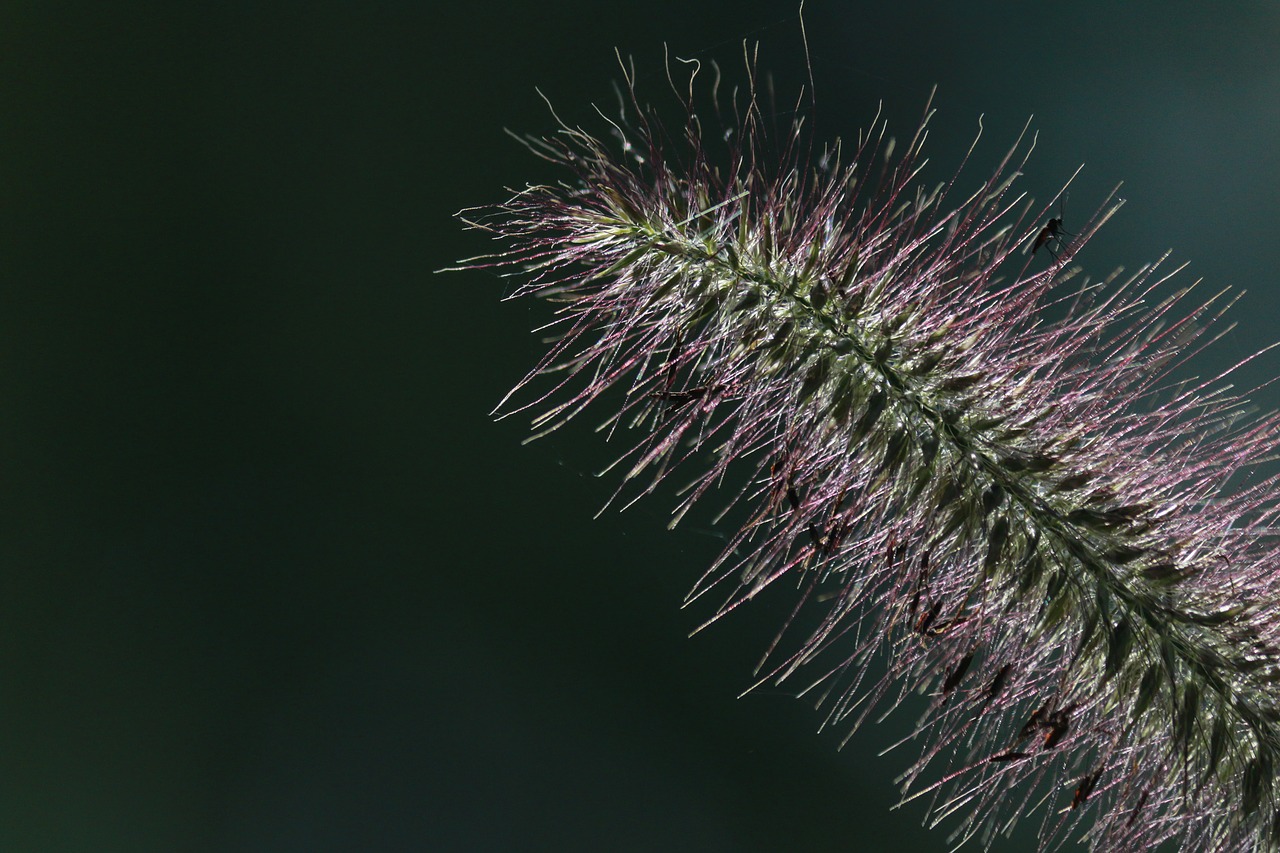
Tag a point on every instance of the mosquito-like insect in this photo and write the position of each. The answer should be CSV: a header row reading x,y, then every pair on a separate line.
x,y
676,398
1059,724
957,674
1054,723
1085,788
827,541
687,395
1052,232
997,684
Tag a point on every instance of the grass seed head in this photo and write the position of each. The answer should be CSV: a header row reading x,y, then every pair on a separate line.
x,y
928,459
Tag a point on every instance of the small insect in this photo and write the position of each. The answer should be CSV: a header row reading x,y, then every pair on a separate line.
x,y
783,485
929,626
943,627
1085,788
1054,723
1059,724
1039,717
679,398
667,393
816,537
957,674
826,539
1137,810
1052,232
827,542
993,690
923,576
997,683
836,536
926,621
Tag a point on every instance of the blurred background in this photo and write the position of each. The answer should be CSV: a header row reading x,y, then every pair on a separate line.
x,y
271,578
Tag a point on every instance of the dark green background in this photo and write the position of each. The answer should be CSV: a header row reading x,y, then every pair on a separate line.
x,y
270,577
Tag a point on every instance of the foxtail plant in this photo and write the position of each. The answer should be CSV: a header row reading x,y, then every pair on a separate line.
x,y
1066,549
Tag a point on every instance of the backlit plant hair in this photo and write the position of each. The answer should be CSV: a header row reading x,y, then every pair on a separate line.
x,y
1065,548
